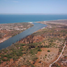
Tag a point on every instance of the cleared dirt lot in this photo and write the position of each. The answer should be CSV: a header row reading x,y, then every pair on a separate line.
x,y
46,56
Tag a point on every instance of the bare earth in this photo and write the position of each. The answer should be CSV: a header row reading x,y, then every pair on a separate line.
x,y
46,57
39,49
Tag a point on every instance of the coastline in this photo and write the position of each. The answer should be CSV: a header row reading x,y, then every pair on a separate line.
x,y
48,23
54,22
49,40
38,37
8,31
4,39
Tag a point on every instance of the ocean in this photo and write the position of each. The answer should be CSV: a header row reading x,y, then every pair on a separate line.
x,y
29,18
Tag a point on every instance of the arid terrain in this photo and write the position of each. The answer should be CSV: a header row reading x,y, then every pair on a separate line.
x,y
39,49
62,62
12,29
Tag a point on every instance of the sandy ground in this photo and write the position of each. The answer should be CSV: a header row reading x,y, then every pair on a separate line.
x,y
4,39
45,57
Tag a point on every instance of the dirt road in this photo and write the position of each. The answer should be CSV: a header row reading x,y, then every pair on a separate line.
x,y
59,55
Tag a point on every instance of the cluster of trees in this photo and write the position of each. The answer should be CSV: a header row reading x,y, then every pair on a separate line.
x,y
16,50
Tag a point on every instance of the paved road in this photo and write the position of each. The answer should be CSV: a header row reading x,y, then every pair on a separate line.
x,y
59,55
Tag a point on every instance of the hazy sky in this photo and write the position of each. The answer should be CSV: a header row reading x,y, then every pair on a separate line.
x,y
33,6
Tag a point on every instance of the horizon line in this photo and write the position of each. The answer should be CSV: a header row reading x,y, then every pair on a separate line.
x,y
33,14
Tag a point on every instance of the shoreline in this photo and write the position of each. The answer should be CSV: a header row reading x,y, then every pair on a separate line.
x,y
16,22
49,40
7,31
42,22
35,21
4,39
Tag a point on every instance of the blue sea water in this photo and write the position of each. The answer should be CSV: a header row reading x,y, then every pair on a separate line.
x,y
29,18
26,18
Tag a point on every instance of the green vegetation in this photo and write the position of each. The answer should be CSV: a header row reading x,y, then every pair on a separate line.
x,y
16,50
48,50
29,64
53,38
56,65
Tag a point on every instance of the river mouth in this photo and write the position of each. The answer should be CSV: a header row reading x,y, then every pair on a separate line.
x,y
22,35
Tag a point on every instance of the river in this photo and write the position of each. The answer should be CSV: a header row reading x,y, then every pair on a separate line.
x,y
18,37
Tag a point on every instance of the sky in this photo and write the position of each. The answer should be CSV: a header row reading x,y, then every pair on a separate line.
x,y
33,6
